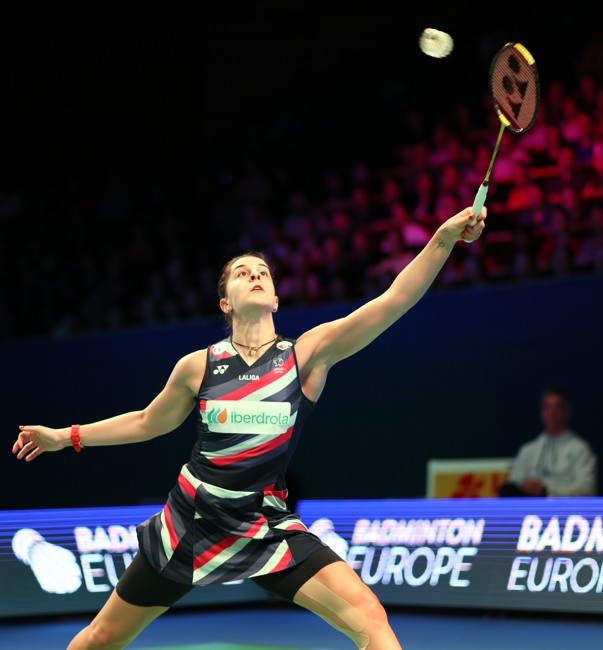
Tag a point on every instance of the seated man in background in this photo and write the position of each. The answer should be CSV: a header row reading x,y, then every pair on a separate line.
x,y
557,462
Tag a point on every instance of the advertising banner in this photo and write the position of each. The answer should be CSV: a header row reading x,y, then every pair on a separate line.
x,y
69,560
531,554
540,554
466,478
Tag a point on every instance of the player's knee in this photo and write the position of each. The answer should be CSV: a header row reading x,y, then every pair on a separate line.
x,y
371,610
104,637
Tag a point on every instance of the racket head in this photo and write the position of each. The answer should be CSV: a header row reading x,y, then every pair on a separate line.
x,y
515,86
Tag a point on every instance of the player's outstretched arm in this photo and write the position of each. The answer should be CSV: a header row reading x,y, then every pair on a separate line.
x,y
336,340
165,413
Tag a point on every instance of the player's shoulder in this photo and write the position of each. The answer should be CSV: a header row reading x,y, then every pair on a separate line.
x,y
192,361
194,355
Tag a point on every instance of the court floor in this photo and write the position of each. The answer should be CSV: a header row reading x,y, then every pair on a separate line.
x,y
285,627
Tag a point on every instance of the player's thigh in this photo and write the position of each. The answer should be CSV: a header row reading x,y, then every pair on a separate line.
x,y
119,621
337,594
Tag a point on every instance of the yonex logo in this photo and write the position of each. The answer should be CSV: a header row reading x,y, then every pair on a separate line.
x,y
220,370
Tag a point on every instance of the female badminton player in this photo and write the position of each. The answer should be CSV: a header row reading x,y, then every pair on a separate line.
x,y
226,517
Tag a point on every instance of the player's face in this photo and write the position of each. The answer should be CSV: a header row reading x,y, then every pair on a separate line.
x,y
250,284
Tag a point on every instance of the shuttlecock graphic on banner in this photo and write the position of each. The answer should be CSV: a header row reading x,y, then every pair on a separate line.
x,y
435,43
324,529
55,567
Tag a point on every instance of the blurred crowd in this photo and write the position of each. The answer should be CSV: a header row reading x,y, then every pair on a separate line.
x,y
81,255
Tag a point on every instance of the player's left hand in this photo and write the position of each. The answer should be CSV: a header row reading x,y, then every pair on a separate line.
x,y
471,233
459,226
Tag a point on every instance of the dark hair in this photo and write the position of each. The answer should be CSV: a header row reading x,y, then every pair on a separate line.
x,y
225,274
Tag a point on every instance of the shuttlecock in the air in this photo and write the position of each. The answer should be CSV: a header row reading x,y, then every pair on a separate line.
x,y
435,43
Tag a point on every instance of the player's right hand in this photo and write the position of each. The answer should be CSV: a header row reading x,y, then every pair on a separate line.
x,y
35,440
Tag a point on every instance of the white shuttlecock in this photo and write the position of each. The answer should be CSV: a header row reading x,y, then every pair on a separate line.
x,y
55,568
435,43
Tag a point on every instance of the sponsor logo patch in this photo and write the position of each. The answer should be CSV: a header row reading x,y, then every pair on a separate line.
x,y
240,416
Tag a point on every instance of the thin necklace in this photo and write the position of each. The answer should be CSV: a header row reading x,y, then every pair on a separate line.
x,y
252,350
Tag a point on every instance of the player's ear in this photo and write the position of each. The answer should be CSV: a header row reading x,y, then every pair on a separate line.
x,y
275,307
224,306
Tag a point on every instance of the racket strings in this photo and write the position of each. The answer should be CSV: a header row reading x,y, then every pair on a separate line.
x,y
515,92
515,87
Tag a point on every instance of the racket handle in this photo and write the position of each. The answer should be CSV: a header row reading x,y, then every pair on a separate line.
x,y
478,203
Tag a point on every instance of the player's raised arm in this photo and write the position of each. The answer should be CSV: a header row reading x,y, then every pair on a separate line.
x,y
336,340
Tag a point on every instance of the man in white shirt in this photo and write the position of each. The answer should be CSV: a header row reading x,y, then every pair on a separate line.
x,y
557,462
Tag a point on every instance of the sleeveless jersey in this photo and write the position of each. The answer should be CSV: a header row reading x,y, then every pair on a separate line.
x,y
226,518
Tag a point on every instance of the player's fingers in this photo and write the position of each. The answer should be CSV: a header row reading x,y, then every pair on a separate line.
x,y
472,233
32,450
25,449
27,432
34,453
24,438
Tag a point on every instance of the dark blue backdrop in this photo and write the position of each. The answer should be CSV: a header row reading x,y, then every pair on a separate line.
x,y
459,376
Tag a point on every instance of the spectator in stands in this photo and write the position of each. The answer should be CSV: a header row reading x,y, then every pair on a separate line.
x,y
363,210
590,254
586,92
569,123
423,199
557,462
524,193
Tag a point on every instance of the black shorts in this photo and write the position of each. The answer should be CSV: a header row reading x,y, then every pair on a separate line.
x,y
141,585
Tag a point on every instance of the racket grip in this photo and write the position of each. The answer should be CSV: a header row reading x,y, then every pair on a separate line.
x,y
478,203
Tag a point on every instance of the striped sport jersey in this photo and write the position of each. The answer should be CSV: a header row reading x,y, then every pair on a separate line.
x,y
227,517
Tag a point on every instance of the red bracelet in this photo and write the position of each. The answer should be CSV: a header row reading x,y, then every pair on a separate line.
x,y
75,437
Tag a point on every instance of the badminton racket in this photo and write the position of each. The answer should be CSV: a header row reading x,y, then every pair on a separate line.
x,y
515,91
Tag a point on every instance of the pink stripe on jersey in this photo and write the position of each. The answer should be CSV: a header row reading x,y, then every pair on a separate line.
x,y
262,382
211,552
186,486
295,526
222,545
170,526
279,494
283,562
254,451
